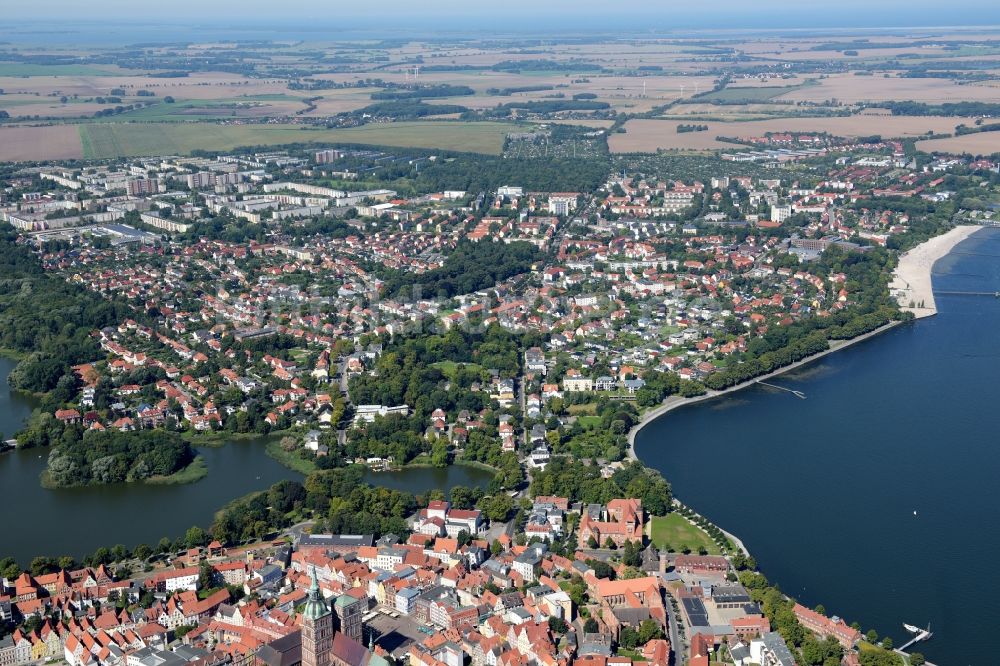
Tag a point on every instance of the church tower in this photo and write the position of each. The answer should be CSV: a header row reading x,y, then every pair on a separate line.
x,y
317,628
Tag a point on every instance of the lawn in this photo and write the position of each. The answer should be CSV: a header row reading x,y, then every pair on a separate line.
x,y
106,140
448,368
676,531
588,421
586,408
299,355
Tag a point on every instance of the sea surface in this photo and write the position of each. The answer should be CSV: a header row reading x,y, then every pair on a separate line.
x,y
76,521
877,495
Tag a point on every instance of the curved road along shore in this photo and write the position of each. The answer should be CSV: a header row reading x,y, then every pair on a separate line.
x,y
912,280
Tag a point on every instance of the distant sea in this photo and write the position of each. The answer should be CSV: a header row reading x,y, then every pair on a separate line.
x,y
326,24
877,495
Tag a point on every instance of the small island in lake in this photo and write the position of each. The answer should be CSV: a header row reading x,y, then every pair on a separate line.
x,y
107,457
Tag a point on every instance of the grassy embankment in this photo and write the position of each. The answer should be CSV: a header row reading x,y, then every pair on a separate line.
x,y
196,471
290,459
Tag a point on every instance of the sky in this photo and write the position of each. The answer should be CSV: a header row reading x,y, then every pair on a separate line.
x,y
526,16
818,12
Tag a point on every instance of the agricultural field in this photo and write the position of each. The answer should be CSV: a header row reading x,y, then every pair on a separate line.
x,y
11,69
773,86
122,140
58,142
980,143
750,94
644,135
249,106
852,89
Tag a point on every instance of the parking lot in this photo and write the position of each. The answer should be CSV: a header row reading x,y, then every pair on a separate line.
x,y
395,635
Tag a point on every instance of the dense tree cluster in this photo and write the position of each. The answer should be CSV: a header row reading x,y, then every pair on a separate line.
x,y
479,173
579,482
46,317
968,109
470,267
507,92
555,105
544,65
605,439
353,507
406,109
648,630
103,457
423,92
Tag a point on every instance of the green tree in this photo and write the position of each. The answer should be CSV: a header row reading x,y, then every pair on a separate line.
x,y
558,625
195,537
9,568
497,507
206,576
439,453
43,565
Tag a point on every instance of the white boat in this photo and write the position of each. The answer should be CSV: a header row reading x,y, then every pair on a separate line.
x,y
913,630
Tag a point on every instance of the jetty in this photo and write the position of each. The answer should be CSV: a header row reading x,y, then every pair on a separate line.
x,y
921,635
994,294
797,394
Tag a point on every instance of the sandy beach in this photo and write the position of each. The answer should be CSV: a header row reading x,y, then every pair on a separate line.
x,y
912,283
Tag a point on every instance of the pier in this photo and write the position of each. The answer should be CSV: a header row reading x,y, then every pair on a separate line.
x,y
797,394
921,635
994,294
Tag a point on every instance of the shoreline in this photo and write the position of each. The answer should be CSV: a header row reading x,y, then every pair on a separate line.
x,y
912,281
913,272
674,402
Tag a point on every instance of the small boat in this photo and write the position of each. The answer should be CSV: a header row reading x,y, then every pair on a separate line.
x,y
913,630
914,513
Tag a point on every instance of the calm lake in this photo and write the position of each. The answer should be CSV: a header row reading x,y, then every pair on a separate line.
x,y
76,521
877,495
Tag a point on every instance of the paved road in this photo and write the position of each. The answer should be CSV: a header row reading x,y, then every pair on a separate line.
x,y
673,633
